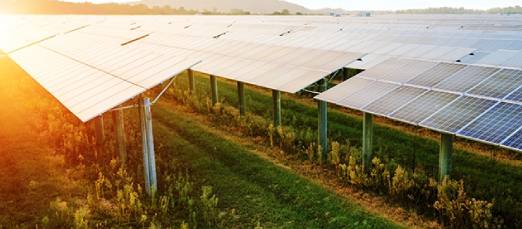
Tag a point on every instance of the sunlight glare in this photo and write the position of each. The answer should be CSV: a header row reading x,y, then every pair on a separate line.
x,y
5,24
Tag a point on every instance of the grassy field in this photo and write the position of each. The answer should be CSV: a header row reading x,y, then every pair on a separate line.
x,y
259,190
30,173
483,176
33,175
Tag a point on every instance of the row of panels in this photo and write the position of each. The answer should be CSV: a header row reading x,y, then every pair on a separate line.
x,y
90,75
480,81
379,39
475,104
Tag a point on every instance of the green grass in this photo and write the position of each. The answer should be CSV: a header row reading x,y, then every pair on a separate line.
x,y
259,190
484,178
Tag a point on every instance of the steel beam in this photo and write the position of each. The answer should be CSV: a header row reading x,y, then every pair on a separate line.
x,y
445,155
276,96
323,120
119,128
241,97
149,160
367,140
214,89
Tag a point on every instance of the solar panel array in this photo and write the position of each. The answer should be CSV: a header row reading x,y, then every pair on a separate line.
x,y
474,102
417,65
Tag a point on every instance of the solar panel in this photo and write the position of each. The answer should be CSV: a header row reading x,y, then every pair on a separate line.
x,y
409,70
515,141
368,61
457,114
382,70
448,53
436,74
466,78
342,90
367,95
476,56
421,108
514,61
391,101
497,57
496,124
85,100
500,84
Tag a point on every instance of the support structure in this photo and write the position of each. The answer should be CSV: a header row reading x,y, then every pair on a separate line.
x,y
367,140
100,131
149,160
445,154
241,97
276,96
119,128
214,89
323,120
191,82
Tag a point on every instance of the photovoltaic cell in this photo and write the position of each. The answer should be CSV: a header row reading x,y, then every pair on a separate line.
x,y
436,74
515,141
500,84
465,79
496,124
391,101
457,114
424,106
516,95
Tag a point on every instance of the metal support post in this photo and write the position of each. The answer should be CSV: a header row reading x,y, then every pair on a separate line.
x,y
149,160
445,154
100,131
117,117
192,83
323,120
214,89
276,96
367,140
241,97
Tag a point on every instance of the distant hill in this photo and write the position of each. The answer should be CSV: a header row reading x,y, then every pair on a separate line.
x,y
60,7
159,7
225,6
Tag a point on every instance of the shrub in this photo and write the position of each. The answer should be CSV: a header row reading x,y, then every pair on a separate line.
x,y
209,203
335,154
451,202
81,217
377,174
401,183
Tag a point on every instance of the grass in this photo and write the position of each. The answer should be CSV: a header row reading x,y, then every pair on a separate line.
x,y
483,176
259,190
30,175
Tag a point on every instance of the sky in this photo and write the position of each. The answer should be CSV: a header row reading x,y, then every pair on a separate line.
x,y
383,4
